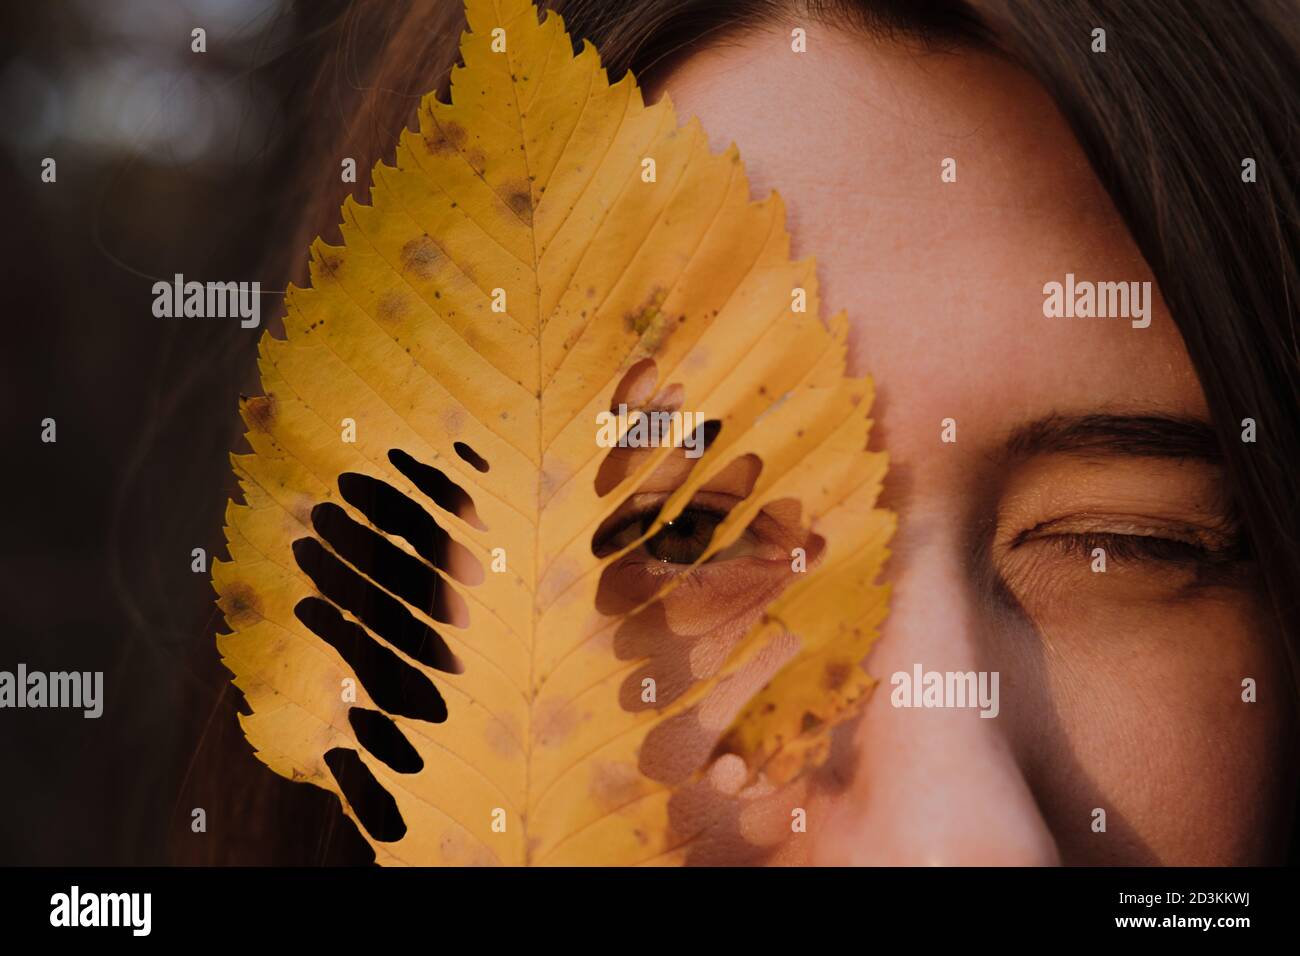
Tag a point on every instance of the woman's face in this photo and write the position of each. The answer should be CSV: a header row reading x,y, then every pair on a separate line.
x,y
1119,690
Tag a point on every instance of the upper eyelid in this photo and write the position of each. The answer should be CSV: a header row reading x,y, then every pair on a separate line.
x,y
632,510
1116,536
1230,551
1224,536
1144,546
633,516
643,501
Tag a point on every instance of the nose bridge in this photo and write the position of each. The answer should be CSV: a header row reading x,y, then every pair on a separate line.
x,y
936,783
934,614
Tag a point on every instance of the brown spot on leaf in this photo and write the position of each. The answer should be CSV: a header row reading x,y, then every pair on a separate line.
x,y
392,305
615,785
837,672
444,137
501,739
421,256
640,319
554,721
453,420
477,161
328,265
240,604
519,198
259,412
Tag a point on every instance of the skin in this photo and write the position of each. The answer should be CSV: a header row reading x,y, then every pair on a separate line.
x,y
1121,690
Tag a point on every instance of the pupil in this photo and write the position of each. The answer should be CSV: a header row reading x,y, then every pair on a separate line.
x,y
682,540
682,526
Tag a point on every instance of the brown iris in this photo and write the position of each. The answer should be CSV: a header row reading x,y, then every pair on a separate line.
x,y
685,538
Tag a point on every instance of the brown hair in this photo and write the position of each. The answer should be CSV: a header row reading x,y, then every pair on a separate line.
x,y
1185,93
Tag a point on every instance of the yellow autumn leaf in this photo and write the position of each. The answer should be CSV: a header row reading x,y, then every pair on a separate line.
x,y
421,621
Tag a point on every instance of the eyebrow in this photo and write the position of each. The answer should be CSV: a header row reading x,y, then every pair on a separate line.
x,y
1140,436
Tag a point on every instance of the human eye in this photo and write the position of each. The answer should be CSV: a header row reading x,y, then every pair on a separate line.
x,y
1109,532
754,564
683,541
1104,557
1134,539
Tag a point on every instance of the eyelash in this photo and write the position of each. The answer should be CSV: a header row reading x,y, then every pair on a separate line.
x,y
601,546
1138,547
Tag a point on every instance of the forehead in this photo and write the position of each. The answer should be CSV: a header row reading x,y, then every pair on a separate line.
x,y
942,281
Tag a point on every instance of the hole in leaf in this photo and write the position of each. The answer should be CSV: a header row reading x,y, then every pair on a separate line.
x,y
393,513
392,683
373,805
636,386
442,491
620,462
375,608
709,432
388,565
471,456
379,735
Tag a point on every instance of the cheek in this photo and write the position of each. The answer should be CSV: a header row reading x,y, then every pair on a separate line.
x,y
1143,716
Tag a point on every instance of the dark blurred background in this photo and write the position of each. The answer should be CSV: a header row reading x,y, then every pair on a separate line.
x,y
167,161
